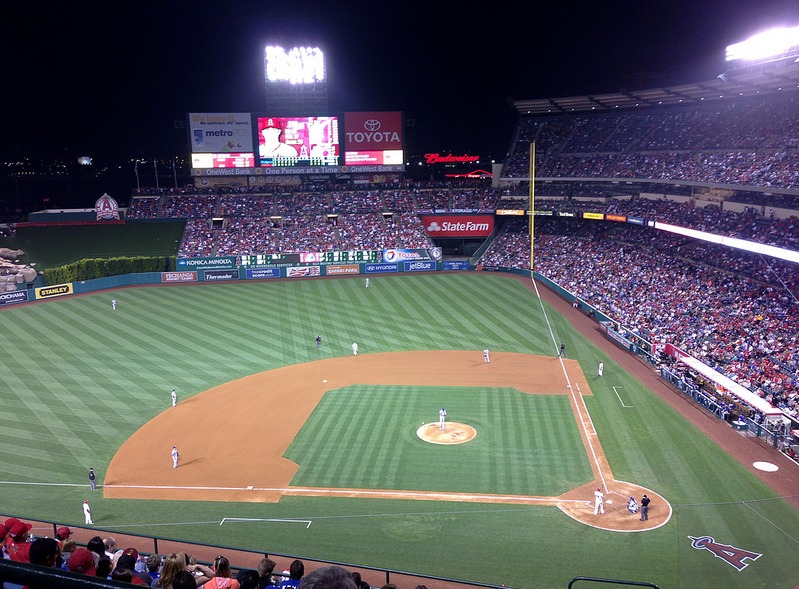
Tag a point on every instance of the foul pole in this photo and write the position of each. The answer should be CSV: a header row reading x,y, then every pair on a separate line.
x,y
531,207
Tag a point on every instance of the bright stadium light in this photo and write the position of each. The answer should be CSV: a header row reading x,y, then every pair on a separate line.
x,y
299,65
771,43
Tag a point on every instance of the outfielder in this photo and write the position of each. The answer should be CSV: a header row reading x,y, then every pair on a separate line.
x,y
175,456
367,283
354,348
599,501
442,417
113,304
174,398
601,368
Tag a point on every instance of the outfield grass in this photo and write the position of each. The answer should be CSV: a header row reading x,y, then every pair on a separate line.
x,y
77,379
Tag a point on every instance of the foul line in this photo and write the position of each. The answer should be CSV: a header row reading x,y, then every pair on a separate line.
x,y
577,404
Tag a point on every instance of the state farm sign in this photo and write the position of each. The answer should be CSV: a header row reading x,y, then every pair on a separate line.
x,y
458,225
372,131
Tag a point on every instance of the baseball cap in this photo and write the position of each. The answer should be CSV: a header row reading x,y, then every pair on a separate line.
x,y
11,521
64,532
3,532
273,124
20,528
132,552
82,561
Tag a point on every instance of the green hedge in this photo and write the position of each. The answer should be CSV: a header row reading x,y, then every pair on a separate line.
x,y
90,268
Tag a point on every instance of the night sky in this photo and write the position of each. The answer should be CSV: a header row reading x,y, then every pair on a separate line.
x,y
110,79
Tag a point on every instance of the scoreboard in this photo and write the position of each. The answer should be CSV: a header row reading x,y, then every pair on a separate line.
x,y
336,257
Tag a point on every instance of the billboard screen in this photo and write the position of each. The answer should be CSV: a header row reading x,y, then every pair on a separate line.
x,y
220,132
373,138
298,142
444,226
222,160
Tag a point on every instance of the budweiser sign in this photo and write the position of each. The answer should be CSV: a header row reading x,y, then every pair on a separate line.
x,y
435,158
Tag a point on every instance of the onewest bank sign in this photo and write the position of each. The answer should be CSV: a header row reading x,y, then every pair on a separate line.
x,y
444,226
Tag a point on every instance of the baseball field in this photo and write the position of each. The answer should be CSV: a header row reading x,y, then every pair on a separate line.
x,y
312,451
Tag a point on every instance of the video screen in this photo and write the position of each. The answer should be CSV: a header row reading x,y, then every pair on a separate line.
x,y
222,160
298,141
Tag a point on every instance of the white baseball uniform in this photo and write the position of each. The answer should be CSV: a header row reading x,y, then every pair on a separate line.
x,y
174,398
87,513
114,304
601,368
486,359
442,416
354,349
599,502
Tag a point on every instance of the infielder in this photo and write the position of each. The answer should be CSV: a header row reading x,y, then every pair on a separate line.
x,y
113,304
601,368
174,398
175,456
87,513
486,359
354,348
442,417
599,501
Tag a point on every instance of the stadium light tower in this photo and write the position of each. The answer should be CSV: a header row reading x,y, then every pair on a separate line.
x,y
773,44
296,80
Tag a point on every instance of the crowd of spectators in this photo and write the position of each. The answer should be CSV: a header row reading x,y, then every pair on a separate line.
x,y
101,558
736,311
744,141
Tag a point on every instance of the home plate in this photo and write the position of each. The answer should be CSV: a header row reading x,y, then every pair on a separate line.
x,y
766,466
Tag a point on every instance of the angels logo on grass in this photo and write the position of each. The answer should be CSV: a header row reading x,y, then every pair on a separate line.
x,y
730,554
106,208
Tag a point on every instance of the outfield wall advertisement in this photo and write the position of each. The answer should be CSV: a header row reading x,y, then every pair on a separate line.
x,y
447,226
9,298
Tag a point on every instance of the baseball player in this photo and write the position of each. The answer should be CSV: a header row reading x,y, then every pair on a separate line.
x,y
113,304
87,513
367,283
318,342
442,417
174,397
632,505
601,368
354,348
486,359
175,456
599,501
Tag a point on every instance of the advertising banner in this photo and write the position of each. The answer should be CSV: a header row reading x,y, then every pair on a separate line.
x,y
379,268
9,298
372,131
212,275
178,276
253,273
597,216
456,265
400,255
220,263
303,271
445,226
57,290
420,266
337,270
220,132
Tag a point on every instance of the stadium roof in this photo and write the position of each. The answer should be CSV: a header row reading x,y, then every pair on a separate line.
x,y
763,79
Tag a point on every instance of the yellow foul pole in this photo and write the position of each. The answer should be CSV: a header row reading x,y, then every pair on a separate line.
x,y
531,208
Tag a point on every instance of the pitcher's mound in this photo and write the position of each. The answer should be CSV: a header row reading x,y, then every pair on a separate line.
x,y
452,433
